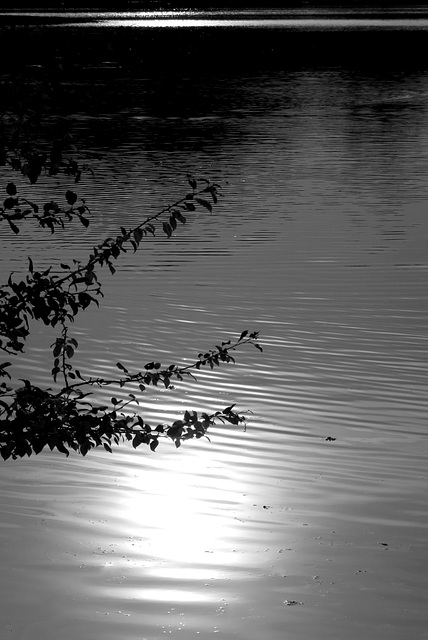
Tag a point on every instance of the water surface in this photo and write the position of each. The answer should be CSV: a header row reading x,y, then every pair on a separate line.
x,y
319,243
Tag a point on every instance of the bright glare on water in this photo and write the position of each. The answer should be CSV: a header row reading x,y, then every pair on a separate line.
x,y
266,23
300,19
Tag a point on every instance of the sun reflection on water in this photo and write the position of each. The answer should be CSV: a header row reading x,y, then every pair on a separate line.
x,y
192,506
189,19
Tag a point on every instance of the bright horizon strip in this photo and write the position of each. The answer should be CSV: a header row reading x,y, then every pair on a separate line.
x,y
296,23
98,14
201,18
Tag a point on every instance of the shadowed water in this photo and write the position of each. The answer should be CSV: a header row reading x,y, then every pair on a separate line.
x,y
319,243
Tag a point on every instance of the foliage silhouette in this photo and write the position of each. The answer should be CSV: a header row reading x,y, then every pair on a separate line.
x,y
68,418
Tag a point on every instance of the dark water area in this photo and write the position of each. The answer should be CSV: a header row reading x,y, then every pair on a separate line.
x,y
320,140
197,45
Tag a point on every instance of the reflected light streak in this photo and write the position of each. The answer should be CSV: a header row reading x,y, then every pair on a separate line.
x,y
127,15
295,23
186,514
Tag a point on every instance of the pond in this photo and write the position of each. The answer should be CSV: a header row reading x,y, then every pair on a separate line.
x,y
312,523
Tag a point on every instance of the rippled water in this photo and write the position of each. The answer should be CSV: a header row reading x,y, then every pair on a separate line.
x,y
319,243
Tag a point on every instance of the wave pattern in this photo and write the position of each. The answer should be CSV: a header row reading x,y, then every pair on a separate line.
x,y
319,244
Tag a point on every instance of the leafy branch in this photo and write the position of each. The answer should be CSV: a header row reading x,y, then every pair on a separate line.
x,y
37,418
58,298
61,423
16,208
32,418
67,418
153,373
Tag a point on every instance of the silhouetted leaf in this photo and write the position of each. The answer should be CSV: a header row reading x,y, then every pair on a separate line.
x,y
57,350
10,203
89,276
69,351
11,189
84,448
138,235
175,431
167,229
139,438
62,449
71,197
204,203
34,206
13,226
84,299
153,444
180,217
228,409
33,176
